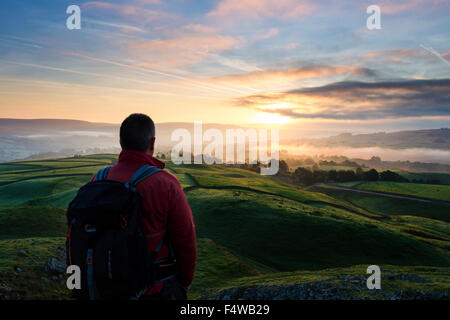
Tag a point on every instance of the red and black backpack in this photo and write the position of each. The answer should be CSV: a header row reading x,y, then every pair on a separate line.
x,y
104,240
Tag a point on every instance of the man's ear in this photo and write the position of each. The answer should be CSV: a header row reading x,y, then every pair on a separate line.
x,y
151,146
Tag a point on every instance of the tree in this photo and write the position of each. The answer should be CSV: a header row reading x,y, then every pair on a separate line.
x,y
332,175
359,173
308,161
392,176
283,168
303,175
320,176
371,175
346,175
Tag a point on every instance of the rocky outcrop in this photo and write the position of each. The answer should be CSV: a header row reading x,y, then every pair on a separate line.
x,y
57,264
340,288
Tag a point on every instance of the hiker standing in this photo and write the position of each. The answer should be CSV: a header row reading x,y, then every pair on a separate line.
x,y
130,205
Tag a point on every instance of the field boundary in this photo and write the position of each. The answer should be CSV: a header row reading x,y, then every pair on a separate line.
x,y
307,202
45,177
387,194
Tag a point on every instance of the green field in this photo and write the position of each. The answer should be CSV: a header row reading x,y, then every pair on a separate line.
x,y
252,230
444,178
429,191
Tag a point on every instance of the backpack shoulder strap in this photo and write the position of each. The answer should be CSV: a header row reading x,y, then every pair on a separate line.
x,y
102,174
141,174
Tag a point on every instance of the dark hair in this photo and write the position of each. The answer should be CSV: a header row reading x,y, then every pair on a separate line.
x,y
136,132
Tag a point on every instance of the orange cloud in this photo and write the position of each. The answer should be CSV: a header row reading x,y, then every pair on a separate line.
x,y
398,55
265,77
357,100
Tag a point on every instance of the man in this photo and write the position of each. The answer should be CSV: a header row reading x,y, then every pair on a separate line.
x,y
166,210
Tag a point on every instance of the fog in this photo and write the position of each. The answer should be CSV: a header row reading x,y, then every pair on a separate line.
x,y
412,154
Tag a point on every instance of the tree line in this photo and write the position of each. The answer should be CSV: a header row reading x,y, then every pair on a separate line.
x,y
310,176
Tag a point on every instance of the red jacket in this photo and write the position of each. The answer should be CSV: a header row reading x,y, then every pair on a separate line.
x,y
166,209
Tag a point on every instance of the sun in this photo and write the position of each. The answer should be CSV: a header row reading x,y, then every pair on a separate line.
x,y
271,118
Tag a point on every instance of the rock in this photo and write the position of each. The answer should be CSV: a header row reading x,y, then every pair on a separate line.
x,y
45,279
56,266
408,277
18,269
60,251
7,293
347,288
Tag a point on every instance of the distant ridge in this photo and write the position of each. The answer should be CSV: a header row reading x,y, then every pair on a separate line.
x,y
423,138
51,124
69,124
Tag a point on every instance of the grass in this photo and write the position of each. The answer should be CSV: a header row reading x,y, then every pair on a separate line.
x,y
223,177
41,191
267,232
435,279
31,221
444,178
216,267
5,167
185,180
349,184
22,269
429,191
286,235
390,206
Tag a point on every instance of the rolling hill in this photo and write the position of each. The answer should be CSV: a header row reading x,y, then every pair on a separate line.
x,y
258,237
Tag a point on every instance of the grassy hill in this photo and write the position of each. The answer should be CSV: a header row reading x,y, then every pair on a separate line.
x,y
429,191
252,231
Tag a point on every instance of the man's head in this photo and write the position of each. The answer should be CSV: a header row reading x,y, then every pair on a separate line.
x,y
137,132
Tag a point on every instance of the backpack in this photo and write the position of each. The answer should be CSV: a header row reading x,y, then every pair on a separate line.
x,y
105,242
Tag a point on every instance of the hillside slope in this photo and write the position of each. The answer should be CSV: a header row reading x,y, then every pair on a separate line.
x,y
258,237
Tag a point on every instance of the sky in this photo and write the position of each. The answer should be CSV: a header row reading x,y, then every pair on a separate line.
x,y
289,63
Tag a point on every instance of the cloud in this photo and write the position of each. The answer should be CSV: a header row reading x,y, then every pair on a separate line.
x,y
257,9
269,34
124,27
236,10
132,12
393,7
200,28
436,54
265,77
144,2
396,55
182,50
291,46
358,100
